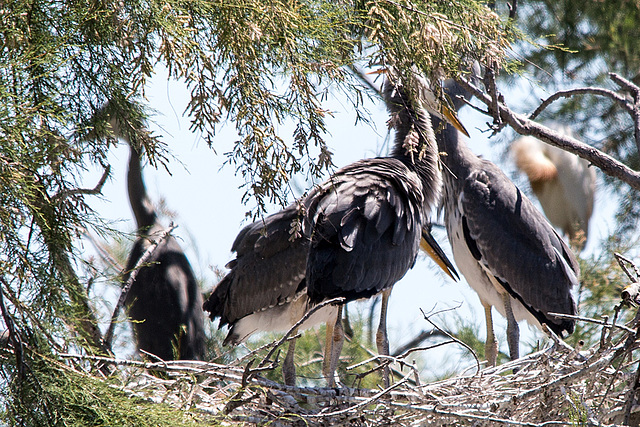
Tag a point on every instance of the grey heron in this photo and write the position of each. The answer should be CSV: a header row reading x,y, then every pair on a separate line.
x,y
164,301
367,220
359,234
563,183
505,248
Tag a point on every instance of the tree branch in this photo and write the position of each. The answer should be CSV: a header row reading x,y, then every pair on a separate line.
x,y
95,190
635,93
13,337
524,126
619,99
295,327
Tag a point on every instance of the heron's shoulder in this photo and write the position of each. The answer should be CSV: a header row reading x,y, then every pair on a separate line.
x,y
370,175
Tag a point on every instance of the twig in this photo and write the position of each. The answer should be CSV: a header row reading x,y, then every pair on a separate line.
x,y
635,93
14,337
590,320
619,99
616,314
95,190
427,318
295,327
494,110
364,402
556,339
417,340
630,293
132,277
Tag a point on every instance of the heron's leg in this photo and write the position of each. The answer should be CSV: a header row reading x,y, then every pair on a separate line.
x,y
328,345
336,348
491,345
513,332
288,367
382,339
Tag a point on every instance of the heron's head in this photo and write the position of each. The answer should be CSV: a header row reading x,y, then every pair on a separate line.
x,y
399,95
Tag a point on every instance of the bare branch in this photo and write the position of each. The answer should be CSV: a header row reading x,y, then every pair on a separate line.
x,y
621,261
415,341
14,337
633,108
297,325
95,190
447,334
619,99
524,126
494,109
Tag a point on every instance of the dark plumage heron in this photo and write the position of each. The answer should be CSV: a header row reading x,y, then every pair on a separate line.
x,y
265,289
563,183
367,220
359,234
164,301
506,249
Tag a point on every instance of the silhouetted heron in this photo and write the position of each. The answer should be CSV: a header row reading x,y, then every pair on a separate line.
x,y
164,301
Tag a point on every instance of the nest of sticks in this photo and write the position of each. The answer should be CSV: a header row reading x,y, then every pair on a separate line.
x,y
559,385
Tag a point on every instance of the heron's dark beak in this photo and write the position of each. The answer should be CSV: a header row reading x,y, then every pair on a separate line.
x,y
431,247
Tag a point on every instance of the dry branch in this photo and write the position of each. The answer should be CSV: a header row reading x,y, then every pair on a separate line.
x,y
559,385
525,126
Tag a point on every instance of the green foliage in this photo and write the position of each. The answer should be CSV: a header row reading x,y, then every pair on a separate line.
x,y
55,394
601,282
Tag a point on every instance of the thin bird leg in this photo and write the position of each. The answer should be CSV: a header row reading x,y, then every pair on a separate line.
x,y
336,348
382,339
491,345
513,332
328,345
288,366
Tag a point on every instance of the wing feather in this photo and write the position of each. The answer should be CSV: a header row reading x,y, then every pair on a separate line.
x,y
267,271
365,233
517,244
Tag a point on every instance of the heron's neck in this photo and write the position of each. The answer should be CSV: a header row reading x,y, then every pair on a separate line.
x,y
140,202
457,158
412,128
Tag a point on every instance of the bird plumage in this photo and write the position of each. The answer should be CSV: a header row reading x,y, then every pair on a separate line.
x,y
164,301
265,288
502,244
367,225
360,232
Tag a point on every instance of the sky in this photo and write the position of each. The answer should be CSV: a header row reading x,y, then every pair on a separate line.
x,y
205,196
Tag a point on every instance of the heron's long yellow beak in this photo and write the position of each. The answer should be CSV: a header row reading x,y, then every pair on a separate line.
x,y
452,117
448,113
431,247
